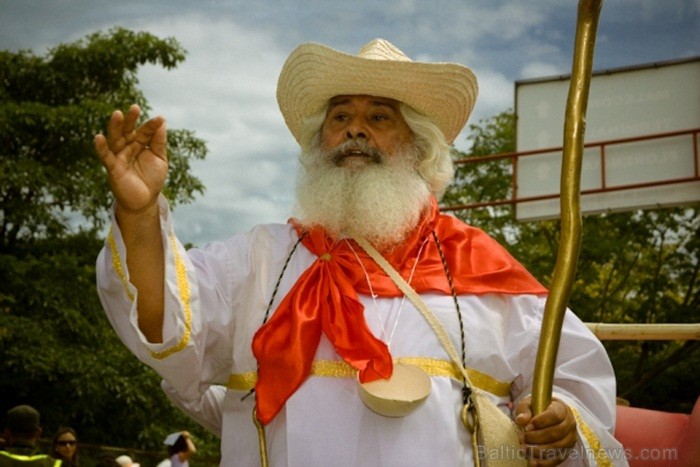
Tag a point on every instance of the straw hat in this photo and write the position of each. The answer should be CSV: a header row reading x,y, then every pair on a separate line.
x,y
314,73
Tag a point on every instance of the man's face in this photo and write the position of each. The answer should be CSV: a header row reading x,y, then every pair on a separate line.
x,y
361,175
375,121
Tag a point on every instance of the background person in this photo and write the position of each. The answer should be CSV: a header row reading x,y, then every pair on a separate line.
x,y
180,448
64,447
22,432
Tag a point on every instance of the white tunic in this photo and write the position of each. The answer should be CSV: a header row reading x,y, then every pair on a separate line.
x,y
216,299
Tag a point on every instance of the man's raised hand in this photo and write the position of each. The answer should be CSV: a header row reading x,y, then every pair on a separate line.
x,y
135,159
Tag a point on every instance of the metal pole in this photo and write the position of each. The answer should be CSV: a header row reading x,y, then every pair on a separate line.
x,y
570,241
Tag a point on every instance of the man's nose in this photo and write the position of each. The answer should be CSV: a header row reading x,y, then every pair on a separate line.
x,y
357,129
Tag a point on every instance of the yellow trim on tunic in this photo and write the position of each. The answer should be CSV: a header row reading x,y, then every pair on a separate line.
x,y
322,368
183,287
340,369
601,457
117,262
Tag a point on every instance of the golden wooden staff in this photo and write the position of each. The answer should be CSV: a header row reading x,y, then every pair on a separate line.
x,y
570,241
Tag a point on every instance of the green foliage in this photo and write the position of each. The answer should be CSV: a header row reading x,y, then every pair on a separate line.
x,y
489,180
50,109
58,351
634,267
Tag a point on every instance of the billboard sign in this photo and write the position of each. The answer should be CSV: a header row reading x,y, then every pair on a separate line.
x,y
641,115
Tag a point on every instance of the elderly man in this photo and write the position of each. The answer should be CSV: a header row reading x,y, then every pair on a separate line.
x,y
298,320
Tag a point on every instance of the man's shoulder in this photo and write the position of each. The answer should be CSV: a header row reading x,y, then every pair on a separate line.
x,y
259,235
267,236
266,230
274,229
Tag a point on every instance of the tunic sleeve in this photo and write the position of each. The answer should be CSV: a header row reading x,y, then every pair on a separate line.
x,y
190,286
207,410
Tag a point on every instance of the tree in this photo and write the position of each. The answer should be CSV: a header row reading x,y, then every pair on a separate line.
x,y
58,351
634,267
489,180
50,109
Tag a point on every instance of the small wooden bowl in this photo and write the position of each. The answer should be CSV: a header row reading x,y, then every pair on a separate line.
x,y
398,396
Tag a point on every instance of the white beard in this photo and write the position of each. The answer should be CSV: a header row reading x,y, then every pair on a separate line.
x,y
380,201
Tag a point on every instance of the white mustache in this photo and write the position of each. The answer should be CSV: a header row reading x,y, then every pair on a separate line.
x,y
352,148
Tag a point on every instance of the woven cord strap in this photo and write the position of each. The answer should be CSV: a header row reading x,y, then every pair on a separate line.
x,y
496,429
418,302
487,424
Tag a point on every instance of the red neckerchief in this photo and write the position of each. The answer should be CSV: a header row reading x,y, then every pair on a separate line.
x,y
325,300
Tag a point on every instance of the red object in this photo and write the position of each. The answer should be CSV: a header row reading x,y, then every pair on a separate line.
x,y
325,300
658,438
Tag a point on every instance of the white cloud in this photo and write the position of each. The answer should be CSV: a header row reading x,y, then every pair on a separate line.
x,y
541,69
225,90
495,94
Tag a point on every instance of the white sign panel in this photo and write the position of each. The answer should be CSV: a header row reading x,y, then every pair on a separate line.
x,y
627,103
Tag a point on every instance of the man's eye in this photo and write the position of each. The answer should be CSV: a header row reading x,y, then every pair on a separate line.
x,y
380,117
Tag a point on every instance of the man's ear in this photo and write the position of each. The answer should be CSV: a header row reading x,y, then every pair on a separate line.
x,y
37,433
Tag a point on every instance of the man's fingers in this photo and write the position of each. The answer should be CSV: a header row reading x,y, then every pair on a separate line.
x,y
159,140
523,414
148,131
132,116
102,150
122,134
555,414
115,137
551,434
120,129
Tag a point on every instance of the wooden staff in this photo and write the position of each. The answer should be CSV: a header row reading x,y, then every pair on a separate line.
x,y
570,241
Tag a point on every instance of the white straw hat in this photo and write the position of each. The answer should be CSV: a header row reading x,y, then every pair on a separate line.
x,y
314,73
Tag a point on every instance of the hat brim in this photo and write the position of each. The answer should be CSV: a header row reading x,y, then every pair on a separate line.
x,y
314,73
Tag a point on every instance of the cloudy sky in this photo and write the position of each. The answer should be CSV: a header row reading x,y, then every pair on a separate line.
x,y
225,90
